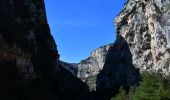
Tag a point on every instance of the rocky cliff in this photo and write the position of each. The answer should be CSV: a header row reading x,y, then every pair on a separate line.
x,y
93,64
29,61
117,71
145,25
108,68
90,67
142,43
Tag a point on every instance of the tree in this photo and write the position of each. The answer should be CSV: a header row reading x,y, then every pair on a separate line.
x,y
152,87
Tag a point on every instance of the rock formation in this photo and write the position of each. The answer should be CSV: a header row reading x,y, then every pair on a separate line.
x,y
142,44
28,55
90,67
29,61
118,71
144,24
108,68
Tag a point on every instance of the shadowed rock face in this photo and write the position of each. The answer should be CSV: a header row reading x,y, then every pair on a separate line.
x,y
71,67
29,61
118,71
25,37
108,68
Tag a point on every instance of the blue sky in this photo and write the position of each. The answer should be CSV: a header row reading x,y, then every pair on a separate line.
x,y
81,26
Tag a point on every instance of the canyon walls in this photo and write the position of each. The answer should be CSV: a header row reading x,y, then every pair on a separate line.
x,y
29,60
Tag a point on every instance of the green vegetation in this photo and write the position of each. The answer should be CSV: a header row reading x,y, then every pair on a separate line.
x,y
152,87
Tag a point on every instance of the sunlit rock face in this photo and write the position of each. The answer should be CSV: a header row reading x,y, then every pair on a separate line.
x,y
89,68
29,60
145,25
142,44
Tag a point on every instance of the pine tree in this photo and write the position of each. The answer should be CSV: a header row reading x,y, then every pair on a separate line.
x,y
152,87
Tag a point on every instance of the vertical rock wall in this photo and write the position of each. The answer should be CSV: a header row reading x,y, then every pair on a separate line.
x,y
29,60
144,24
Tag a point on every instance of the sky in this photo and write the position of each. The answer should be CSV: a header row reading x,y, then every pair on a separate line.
x,y
81,26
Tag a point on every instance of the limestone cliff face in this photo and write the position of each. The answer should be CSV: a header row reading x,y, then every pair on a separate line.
x,y
29,61
92,65
145,25
143,43
89,68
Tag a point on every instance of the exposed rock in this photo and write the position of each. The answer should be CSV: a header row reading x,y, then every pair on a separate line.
x,y
118,71
71,67
143,42
144,24
89,68
28,55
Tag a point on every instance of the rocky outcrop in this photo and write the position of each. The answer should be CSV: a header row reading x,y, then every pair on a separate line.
x,y
144,24
108,68
142,43
28,55
117,71
90,67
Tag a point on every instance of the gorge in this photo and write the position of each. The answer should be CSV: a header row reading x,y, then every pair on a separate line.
x,y
30,68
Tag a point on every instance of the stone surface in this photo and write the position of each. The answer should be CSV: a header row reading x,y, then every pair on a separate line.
x,y
118,71
142,44
90,67
144,24
29,61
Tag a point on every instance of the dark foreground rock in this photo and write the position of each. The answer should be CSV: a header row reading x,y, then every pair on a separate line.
x,y
28,55
71,67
